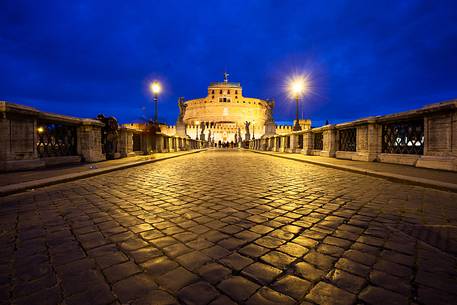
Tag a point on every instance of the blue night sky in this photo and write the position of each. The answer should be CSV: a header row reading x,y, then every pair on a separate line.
x,y
365,58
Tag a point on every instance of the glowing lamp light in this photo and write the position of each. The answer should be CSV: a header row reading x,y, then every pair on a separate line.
x,y
40,129
155,87
298,86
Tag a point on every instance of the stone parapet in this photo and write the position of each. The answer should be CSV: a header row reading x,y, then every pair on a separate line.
x,y
26,144
425,137
30,139
126,141
89,141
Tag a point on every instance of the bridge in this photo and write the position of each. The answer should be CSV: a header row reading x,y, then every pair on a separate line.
x,y
231,226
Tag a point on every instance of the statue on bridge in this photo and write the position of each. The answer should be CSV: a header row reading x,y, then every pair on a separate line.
x,y
247,135
270,126
110,135
269,110
202,133
182,108
180,125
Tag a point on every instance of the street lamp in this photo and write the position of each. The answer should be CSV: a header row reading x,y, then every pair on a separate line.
x,y
253,137
196,135
156,88
297,88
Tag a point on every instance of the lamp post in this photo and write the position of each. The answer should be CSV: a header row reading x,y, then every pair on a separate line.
x,y
156,88
253,137
297,88
196,135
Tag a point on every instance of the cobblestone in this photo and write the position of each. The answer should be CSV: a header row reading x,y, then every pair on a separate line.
x,y
228,227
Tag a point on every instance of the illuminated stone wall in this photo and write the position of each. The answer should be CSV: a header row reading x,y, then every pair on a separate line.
x,y
225,110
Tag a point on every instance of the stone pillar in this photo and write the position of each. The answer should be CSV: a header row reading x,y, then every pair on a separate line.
x,y
179,144
282,144
293,143
18,138
368,141
171,144
159,142
329,141
181,129
174,140
440,141
263,144
147,142
89,141
126,142
270,128
307,142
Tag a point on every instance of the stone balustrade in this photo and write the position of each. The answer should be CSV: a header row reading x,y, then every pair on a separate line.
x,y
426,137
30,139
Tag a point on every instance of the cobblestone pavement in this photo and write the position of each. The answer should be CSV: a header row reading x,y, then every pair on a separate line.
x,y
227,227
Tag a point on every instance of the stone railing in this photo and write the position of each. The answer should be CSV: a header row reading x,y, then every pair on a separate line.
x,y
30,139
426,137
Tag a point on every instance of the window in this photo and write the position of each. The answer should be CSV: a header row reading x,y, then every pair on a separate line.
x,y
228,91
220,91
236,91
212,91
236,97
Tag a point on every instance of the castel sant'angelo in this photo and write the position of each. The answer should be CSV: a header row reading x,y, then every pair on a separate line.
x,y
226,115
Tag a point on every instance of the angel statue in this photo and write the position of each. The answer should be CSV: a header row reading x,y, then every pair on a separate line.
x,y
182,108
247,135
246,126
269,110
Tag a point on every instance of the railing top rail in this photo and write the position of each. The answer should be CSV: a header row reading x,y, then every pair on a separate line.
x,y
52,117
16,108
45,116
431,108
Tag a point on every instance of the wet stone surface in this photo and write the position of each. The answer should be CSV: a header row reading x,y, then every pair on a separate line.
x,y
228,227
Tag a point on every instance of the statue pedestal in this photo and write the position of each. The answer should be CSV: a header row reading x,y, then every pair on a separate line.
x,y
270,128
181,129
